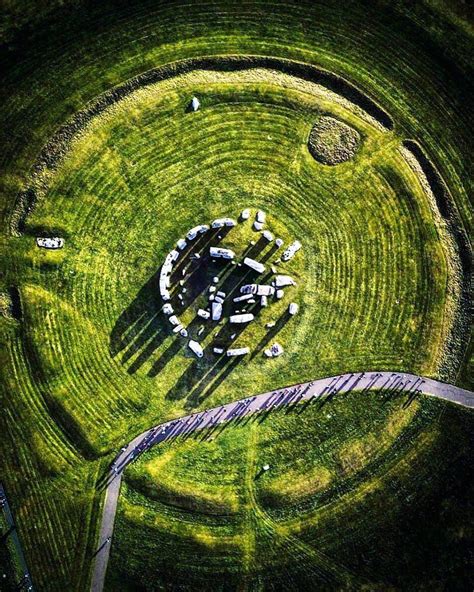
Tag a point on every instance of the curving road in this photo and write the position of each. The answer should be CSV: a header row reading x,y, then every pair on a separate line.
x,y
325,388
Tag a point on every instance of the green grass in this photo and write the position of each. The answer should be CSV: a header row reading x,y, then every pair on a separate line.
x,y
341,479
150,171
147,172
10,569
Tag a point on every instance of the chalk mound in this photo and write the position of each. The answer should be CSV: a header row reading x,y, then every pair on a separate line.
x,y
332,142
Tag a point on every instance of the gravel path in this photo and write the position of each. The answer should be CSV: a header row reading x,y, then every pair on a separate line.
x,y
390,382
25,584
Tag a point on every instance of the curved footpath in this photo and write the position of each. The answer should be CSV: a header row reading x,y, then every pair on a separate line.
x,y
325,388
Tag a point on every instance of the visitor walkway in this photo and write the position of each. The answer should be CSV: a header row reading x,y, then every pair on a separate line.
x,y
323,389
25,583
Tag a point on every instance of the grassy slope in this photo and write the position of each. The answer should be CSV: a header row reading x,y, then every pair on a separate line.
x,y
40,96
375,498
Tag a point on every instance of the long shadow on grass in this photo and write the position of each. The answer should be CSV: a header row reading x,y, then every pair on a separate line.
x,y
269,253
140,322
142,328
204,376
197,377
272,332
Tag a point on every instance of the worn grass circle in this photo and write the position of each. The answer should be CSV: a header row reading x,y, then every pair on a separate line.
x,y
147,170
332,141
142,174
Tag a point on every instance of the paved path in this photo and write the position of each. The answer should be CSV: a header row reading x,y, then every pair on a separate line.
x,y
25,583
324,389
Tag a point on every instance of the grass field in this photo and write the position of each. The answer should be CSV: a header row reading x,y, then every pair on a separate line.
x,y
343,479
88,361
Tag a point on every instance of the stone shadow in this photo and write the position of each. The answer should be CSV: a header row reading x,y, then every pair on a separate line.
x,y
141,328
270,253
199,381
253,251
203,376
139,321
271,333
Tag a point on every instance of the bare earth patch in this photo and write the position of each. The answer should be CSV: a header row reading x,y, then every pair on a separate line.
x,y
333,142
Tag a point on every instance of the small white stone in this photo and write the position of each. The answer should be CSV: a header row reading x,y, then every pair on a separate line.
x,y
293,308
268,235
276,349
